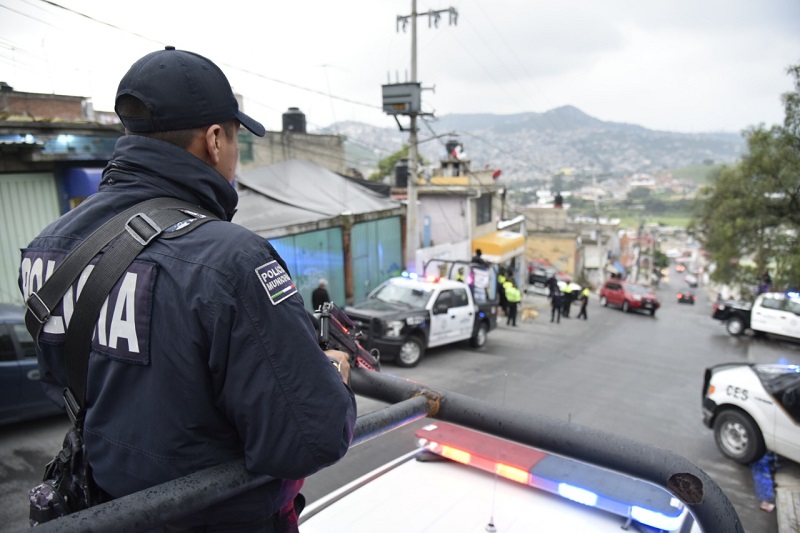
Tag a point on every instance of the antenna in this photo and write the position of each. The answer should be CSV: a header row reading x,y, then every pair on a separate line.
x,y
490,527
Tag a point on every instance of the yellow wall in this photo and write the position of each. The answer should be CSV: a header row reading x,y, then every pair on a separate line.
x,y
558,249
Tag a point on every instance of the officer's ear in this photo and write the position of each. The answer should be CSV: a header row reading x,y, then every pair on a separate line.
x,y
213,142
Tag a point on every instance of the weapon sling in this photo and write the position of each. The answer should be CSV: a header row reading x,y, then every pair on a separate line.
x,y
126,235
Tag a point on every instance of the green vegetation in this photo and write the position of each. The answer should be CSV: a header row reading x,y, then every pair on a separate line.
x,y
700,174
748,219
387,164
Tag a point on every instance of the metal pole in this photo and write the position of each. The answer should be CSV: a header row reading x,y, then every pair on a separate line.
x,y
412,227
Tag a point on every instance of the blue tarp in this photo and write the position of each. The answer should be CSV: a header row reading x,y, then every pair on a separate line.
x,y
80,182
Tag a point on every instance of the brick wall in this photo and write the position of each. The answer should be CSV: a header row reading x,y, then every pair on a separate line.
x,y
44,106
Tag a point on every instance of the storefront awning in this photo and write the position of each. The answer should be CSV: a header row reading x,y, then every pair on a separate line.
x,y
616,268
500,246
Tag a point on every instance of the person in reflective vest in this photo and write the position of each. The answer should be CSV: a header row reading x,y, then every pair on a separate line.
x,y
513,296
584,301
501,292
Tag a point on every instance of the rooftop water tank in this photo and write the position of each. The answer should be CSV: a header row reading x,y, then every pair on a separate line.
x,y
294,121
401,174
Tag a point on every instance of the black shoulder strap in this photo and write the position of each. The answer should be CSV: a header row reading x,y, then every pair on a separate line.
x,y
128,233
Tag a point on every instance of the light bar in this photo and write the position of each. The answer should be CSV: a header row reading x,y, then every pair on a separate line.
x,y
577,494
657,520
580,482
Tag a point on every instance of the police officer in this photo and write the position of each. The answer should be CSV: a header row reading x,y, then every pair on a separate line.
x,y
513,297
501,291
556,304
584,303
567,300
207,355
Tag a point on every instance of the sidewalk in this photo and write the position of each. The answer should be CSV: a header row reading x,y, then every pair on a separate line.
x,y
787,496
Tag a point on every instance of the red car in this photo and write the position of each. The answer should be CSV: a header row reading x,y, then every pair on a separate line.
x,y
628,296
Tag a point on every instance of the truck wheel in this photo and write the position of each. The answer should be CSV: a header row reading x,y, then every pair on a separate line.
x,y
603,301
738,437
735,326
652,312
626,307
410,353
479,339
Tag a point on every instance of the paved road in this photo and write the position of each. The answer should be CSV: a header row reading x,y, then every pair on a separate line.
x,y
631,374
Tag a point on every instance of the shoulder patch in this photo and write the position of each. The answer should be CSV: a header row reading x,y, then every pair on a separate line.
x,y
276,282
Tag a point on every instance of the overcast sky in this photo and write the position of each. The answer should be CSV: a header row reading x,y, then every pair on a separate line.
x,y
674,65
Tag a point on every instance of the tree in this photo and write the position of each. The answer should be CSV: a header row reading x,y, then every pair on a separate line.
x,y
748,219
661,260
387,164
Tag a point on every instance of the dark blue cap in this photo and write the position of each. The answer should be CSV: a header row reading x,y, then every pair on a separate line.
x,y
182,90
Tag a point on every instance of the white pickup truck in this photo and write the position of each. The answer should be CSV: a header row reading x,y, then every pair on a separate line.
x,y
772,312
406,315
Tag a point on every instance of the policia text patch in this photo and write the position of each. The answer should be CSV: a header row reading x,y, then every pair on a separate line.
x,y
276,282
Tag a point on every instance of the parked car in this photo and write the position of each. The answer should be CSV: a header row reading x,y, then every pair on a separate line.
x,y
752,409
21,394
686,297
539,274
628,296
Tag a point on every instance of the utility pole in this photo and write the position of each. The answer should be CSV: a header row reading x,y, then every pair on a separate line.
x,y
412,229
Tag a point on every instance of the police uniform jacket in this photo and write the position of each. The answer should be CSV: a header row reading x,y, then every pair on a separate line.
x,y
203,353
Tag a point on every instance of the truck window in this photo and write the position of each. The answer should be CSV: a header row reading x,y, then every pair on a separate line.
x,y
460,298
445,299
772,303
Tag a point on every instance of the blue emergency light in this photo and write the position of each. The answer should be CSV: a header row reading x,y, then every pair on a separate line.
x,y
580,482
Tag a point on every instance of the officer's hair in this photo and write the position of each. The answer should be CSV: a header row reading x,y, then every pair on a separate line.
x,y
130,106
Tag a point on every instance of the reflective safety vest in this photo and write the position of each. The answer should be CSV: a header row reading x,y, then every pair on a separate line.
x,y
501,279
512,294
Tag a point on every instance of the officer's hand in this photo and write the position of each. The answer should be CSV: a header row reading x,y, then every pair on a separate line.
x,y
344,360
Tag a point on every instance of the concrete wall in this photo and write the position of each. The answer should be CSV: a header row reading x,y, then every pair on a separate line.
x,y
448,218
558,248
275,147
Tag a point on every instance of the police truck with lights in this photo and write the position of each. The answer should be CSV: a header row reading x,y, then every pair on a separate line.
x,y
406,315
459,479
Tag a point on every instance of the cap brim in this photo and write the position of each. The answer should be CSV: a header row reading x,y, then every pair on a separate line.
x,y
254,126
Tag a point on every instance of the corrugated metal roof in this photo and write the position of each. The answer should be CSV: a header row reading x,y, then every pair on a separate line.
x,y
300,192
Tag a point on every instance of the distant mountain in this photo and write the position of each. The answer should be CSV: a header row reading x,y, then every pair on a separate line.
x,y
539,145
